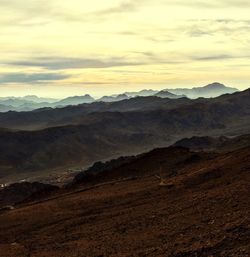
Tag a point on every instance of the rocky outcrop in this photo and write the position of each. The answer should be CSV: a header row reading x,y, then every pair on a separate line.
x,y
20,192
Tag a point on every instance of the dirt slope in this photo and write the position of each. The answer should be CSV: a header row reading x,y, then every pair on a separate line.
x,y
204,211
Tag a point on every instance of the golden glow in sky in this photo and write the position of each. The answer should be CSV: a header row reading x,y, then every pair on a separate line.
x,y
59,48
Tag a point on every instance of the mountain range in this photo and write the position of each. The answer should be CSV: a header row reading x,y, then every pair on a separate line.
x,y
167,94
127,175
75,100
212,90
29,103
77,136
115,98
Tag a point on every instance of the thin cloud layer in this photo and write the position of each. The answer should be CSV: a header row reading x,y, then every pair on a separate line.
x,y
31,77
84,44
60,63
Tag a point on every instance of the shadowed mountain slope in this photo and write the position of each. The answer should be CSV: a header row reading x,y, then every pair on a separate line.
x,y
20,192
220,144
64,116
49,117
200,209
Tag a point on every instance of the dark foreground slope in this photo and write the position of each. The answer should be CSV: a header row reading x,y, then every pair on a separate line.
x,y
20,192
203,210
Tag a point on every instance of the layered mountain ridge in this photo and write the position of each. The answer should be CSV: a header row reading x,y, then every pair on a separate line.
x,y
31,102
79,138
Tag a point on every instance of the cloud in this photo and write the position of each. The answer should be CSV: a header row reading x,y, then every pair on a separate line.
x,y
44,11
59,63
214,28
218,57
30,77
132,5
213,57
195,31
16,13
129,6
126,6
37,13
209,4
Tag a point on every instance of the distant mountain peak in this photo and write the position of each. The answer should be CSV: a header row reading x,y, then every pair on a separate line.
x,y
167,94
123,95
211,90
75,100
34,96
216,85
79,96
113,98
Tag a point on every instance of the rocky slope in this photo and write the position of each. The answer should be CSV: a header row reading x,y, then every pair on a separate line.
x,y
200,209
20,192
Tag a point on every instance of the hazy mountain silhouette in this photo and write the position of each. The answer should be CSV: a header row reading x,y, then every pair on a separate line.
x,y
37,99
166,94
113,98
31,98
15,102
145,92
211,90
6,108
75,100
26,103
29,103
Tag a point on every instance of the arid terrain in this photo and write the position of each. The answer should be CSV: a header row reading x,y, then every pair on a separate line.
x,y
201,208
95,187
77,136
125,128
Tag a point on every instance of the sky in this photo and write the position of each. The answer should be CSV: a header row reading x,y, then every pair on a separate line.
x,y
59,48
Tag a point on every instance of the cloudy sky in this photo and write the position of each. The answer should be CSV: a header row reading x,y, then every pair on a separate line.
x,y
59,48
